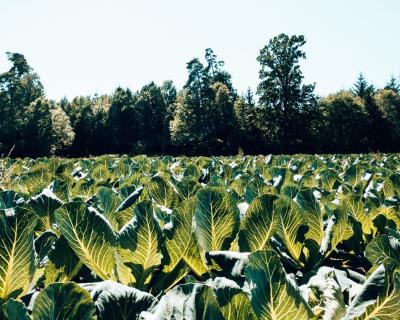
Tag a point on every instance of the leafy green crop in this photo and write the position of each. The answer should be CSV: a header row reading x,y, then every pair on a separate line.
x,y
277,237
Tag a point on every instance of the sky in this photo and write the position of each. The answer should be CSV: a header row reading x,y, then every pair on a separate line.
x,y
83,47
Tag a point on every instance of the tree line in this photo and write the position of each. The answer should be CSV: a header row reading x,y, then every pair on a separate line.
x,y
206,117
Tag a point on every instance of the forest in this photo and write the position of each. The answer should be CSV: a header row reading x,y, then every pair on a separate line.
x,y
206,117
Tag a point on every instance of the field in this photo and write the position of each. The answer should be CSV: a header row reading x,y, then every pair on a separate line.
x,y
266,237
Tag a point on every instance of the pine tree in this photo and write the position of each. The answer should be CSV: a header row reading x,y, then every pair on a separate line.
x,y
361,88
393,84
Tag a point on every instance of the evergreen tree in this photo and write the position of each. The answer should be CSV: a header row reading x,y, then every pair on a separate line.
x,y
198,82
393,84
377,128
80,113
169,93
249,97
37,131
224,124
124,123
151,107
361,88
250,138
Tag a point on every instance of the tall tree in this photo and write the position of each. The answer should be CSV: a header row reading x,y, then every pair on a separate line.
x,y
388,102
215,73
282,95
150,105
100,143
203,112
89,120
346,123
377,126
62,132
37,128
123,121
361,86
223,120
393,84
378,129
169,93
251,139
19,87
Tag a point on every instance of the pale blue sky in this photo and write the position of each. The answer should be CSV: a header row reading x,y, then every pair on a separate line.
x,y
83,47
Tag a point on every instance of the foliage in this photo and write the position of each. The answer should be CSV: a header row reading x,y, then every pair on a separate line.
x,y
19,87
286,102
389,104
346,122
266,237
206,117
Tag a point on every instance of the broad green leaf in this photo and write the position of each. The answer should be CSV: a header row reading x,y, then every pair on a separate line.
x,y
384,249
125,210
9,199
83,188
162,193
51,198
187,188
239,184
115,301
256,188
140,243
187,301
63,301
17,259
233,302
180,242
43,245
272,295
14,310
290,190
63,263
386,306
390,215
342,228
291,221
368,294
328,178
259,224
108,203
122,272
192,170
356,208
217,219
311,212
34,181
90,235
338,229
353,175
130,200
165,281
